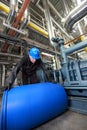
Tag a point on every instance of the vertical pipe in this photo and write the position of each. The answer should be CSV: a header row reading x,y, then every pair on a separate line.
x,y
50,28
67,10
15,82
48,21
3,75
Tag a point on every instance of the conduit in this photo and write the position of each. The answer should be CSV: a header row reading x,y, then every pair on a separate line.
x,y
28,106
6,9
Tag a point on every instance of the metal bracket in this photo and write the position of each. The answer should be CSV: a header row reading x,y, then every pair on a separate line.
x,y
9,26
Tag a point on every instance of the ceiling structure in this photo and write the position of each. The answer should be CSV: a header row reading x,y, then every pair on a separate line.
x,y
34,30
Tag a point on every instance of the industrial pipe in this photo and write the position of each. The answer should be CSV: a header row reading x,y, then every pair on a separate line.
x,y
75,15
28,106
6,9
11,16
12,13
75,39
23,23
16,23
76,47
19,16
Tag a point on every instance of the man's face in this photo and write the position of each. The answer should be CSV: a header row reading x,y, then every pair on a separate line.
x,y
32,59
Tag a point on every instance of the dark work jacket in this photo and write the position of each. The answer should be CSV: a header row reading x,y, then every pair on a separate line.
x,y
28,71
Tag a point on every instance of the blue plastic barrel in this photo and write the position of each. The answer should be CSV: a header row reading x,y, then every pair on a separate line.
x,y
28,106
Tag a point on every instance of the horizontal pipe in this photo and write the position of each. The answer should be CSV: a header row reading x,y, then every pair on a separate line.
x,y
12,55
13,28
75,39
38,29
76,88
6,9
76,47
18,42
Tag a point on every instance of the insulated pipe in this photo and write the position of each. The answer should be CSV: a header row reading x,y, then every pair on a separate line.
x,y
6,9
28,106
75,15
38,29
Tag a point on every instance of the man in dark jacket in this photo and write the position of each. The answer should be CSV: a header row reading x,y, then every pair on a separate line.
x,y
33,69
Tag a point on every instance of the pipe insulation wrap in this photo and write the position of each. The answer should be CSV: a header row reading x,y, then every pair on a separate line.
x,y
27,106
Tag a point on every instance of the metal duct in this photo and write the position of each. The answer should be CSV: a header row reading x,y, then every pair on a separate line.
x,y
75,15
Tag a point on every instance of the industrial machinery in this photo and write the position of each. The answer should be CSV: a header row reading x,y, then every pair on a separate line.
x,y
73,74
27,106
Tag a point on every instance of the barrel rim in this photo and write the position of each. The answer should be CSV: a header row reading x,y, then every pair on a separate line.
x,y
3,110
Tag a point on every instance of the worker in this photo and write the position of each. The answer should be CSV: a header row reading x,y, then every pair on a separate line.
x,y
33,69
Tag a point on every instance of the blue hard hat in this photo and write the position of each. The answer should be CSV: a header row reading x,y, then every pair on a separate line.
x,y
34,53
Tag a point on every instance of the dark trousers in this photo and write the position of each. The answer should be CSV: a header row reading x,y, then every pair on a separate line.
x,y
37,77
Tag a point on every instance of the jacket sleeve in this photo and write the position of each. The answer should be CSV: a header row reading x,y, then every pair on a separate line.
x,y
13,75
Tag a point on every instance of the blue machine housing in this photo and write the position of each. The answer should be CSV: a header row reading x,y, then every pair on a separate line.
x,y
73,75
28,106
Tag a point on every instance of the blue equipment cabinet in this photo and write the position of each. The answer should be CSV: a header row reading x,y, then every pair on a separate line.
x,y
28,106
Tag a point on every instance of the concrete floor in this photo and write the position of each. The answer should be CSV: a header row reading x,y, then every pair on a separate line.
x,y
67,121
